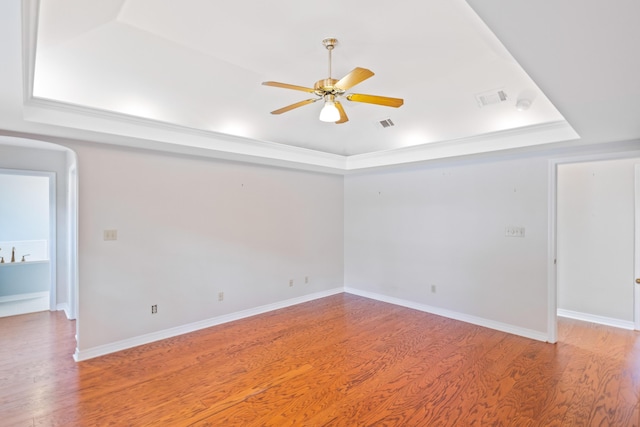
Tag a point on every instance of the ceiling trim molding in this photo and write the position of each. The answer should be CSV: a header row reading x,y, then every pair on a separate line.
x,y
147,132
150,132
546,133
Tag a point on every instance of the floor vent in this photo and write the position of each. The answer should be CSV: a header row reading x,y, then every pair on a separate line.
x,y
491,97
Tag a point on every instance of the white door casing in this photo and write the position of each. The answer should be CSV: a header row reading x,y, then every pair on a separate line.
x,y
636,252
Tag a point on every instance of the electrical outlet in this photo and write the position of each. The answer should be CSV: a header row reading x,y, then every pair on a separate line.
x,y
154,309
291,282
220,296
433,289
306,279
110,235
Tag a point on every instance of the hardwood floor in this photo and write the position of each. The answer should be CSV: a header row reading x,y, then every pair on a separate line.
x,y
339,361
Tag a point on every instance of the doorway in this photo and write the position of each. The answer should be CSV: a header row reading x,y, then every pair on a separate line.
x,y
27,241
595,241
60,164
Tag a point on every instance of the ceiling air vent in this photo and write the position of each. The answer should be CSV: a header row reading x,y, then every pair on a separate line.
x,y
491,97
386,123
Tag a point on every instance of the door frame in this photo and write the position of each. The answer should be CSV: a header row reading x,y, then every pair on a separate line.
x,y
636,248
52,226
552,271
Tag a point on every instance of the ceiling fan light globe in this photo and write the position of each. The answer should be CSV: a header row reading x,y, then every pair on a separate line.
x,y
329,112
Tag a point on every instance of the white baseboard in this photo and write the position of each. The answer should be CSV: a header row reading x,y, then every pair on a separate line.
x,y
64,307
491,324
191,327
586,317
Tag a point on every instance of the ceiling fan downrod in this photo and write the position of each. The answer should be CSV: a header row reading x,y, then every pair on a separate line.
x,y
330,43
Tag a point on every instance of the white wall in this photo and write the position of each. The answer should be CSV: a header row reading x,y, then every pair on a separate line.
x,y
407,230
36,159
189,228
595,238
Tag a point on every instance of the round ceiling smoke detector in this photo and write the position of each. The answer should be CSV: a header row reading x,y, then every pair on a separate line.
x,y
523,104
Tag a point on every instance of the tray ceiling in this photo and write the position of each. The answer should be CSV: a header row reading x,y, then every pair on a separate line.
x,y
192,71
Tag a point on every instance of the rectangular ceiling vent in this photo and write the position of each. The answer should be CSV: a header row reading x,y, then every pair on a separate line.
x,y
491,97
386,123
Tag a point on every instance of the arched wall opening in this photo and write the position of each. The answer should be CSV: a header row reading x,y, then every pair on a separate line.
x,y
31,157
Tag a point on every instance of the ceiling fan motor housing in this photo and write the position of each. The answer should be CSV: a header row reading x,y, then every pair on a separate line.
x,y
327,86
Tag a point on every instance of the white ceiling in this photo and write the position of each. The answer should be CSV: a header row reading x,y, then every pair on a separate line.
x,y
188,74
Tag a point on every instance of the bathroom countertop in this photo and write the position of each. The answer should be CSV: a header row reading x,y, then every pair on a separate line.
x,y
6,264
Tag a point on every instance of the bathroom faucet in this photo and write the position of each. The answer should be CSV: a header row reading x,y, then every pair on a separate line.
x,y
13,254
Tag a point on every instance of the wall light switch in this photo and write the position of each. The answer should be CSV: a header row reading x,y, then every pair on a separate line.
x,y
110,235
512,231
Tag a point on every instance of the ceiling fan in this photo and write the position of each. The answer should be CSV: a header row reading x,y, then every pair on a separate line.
x,y
330,90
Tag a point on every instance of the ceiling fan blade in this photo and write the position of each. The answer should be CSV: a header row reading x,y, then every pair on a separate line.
x,y
343,115
374,99
356,76
288,86
296,105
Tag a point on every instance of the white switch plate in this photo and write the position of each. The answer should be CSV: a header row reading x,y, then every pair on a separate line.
x,y
110,235
512,231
